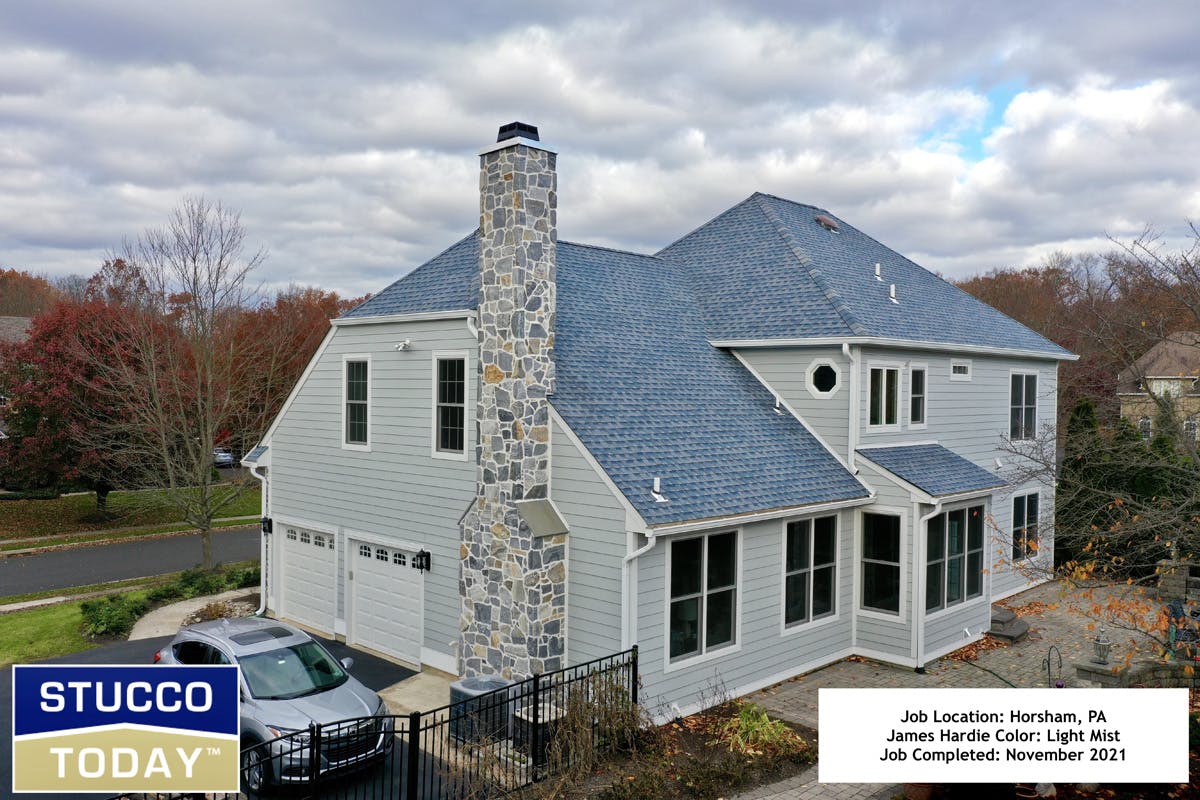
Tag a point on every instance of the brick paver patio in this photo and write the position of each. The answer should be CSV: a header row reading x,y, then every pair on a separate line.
x,y
1022,664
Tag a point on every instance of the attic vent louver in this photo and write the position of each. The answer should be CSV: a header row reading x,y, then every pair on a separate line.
x,y
827,222
514,130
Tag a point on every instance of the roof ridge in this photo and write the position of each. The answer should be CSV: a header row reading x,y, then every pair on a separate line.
x,y
839,305
612,249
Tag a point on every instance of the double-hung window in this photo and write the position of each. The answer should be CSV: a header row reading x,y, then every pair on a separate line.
x,y
1023,406
881,562
953,557
884,406
356,394
916,396
809,569
703,603
450,416
1025,526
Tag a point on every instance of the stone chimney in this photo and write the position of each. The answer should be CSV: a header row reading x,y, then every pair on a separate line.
x,y
513,583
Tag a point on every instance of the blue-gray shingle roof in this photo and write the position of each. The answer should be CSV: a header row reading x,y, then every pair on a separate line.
x,y
447,282
766,269
932,468
639,384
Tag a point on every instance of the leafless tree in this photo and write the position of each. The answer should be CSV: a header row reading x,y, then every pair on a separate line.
x,y
171,368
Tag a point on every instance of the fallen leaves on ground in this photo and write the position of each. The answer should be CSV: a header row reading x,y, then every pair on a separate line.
x,y
971,652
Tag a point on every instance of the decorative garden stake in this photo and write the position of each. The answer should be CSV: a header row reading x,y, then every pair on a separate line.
x,y
1102,645
1052,663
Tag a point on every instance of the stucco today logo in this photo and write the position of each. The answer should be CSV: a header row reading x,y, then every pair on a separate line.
x,y
125,729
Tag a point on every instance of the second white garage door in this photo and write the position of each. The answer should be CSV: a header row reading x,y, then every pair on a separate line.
x,y
385,601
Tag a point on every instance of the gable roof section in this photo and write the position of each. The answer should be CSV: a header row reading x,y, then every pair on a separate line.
x,y
1176,356
932,468
447,282
648,396
766,269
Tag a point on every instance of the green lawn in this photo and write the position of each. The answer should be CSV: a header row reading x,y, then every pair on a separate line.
x,y
77,513
41,633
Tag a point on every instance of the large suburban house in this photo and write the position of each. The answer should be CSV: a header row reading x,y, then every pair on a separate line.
x,y
771,445
1165,380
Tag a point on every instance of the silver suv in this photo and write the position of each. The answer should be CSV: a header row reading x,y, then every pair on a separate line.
x,y
289,682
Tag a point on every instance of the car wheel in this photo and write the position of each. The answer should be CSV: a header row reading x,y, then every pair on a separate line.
x,y
256,770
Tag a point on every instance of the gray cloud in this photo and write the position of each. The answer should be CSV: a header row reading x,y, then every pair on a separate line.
x,y
347,133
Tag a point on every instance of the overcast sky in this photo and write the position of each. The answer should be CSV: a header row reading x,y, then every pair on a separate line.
x,y
967,136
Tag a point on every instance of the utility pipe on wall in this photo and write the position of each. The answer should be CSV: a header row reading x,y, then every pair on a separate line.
x,y
262,546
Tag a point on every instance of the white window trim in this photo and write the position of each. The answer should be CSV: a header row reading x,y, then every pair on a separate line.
x,y
1012,531
447,455
364,448
683,662
1037,404
958,362
812,368
984,583
885,365
811,624
901,616
917,426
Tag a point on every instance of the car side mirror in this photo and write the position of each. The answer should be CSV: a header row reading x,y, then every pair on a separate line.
x,y
348,662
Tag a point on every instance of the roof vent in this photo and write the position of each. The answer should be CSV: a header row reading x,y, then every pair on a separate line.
x,y
878,272
827,222
514,130
778,407
656,491
892,295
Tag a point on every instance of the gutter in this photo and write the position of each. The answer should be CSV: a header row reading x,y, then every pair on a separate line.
x,y
852,434
626,566
262,548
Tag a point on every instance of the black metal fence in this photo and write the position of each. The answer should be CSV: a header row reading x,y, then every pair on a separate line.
x,y
485,746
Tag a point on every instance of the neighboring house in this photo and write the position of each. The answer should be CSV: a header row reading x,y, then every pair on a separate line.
x,y
12,329
1165,378
769,446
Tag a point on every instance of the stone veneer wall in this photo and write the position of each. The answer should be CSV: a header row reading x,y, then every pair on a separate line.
x,y
513,585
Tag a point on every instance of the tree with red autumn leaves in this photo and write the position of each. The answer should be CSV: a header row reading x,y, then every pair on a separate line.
x,y
48,381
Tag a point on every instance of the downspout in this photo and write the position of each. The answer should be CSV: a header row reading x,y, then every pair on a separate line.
x,y
852,433
625,585
262,547
919,572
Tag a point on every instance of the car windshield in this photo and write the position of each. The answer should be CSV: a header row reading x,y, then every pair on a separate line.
x,y
288,672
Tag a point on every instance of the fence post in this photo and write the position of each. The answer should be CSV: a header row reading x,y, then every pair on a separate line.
x,y
314,753
412,779
633,681
536,739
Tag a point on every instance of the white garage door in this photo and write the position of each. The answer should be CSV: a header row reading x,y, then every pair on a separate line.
x,y
309,578
385,600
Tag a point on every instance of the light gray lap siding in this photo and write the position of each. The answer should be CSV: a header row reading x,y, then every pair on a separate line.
x,y
785,369
595,549
765,652
398,489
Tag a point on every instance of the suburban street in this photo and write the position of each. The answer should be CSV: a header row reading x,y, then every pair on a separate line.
x,y
132,558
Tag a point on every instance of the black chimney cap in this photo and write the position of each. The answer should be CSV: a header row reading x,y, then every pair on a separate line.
x,y
514,129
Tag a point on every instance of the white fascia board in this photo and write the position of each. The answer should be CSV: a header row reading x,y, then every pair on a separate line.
x,y
881,341
666,529
633,520
513,142
287,404
421,316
